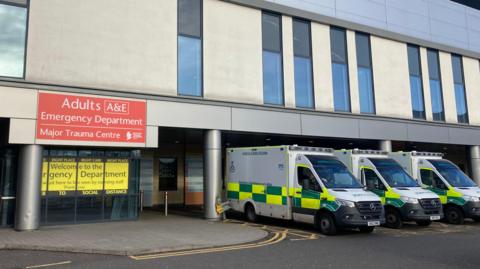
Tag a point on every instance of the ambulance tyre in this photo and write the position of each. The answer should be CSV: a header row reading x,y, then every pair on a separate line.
x,y
393,218
424,223
250,214
326,223
366,229
454,215
476,219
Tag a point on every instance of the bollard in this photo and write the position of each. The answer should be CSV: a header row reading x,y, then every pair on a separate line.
x,y
166,203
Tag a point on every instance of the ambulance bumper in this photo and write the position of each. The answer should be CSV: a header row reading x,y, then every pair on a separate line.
x,y
472,209
413,212
351,217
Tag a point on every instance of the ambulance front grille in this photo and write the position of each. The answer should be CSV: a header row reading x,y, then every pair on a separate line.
x,y
369,207
430,204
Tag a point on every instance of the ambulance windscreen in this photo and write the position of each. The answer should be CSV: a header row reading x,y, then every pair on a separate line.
x,y
333,173
452,174
393,173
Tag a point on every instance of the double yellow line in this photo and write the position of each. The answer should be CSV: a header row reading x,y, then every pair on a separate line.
x,y
276,238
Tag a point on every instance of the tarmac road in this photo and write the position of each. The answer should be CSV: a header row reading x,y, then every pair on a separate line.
x,y
295,246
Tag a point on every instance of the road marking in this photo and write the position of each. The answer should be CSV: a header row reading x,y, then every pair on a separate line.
x,y
48,264
277,238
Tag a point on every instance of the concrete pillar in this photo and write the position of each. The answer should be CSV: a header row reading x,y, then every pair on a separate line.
x,y
27,210
475,163
385,145
212,172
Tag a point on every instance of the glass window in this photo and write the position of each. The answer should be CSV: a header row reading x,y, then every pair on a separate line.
x,y
431,179
89,208
393,173
365,76
302,64
459,85
272,59
372,181
307,180
189,66
452,174
416,84
189,69
189,17
13,24
341,87
333,173
435,85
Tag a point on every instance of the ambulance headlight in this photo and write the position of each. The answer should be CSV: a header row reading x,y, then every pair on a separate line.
x,y
471,198
409,200
346,203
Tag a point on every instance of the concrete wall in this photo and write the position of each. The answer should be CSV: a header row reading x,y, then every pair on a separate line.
x,y
426,84
471,68
390,78
353,74
288,62
120,45
232,49
446,74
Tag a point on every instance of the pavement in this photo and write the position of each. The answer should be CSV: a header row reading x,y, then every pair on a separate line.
x,y
152,233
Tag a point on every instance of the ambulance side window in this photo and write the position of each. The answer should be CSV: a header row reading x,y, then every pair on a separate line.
x,y
372,181
431,179
306,179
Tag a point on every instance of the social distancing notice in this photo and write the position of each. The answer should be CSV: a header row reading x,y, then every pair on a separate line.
x,y
87,176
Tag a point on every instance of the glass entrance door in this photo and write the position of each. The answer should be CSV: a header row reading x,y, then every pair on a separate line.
x,y
8,187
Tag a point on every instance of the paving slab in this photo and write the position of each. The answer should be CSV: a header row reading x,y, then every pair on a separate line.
x,y
152,233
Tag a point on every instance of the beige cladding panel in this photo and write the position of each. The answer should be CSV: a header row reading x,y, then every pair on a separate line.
x,y
448,90
426,84
22,131
18,103
353,75
471,68
118,45
288,66
232,52
322,67
391,79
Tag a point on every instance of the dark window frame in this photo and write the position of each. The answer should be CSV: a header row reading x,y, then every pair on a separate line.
x,y
310,58
420,75
281,56
27,6
370,67
201,52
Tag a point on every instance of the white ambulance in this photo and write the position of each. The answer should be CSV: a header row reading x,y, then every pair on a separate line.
x,y
305,184
403,198
459,195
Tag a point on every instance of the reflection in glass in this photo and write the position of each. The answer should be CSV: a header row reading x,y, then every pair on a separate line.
x,y
437,100
303,82
189,66
272,78
13,23
417,97
365,86
341,93
89,208
462,113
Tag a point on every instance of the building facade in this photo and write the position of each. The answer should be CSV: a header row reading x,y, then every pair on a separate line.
x,y
106,105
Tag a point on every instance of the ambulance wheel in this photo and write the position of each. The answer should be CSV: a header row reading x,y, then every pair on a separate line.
x,y
424,223
476,219
326,224
366,229
250,214
393,219
454,215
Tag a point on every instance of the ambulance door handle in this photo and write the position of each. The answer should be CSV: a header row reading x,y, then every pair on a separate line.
x,y
298,192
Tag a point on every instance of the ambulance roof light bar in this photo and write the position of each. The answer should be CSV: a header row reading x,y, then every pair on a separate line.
x,y
427,154
369,151
314,149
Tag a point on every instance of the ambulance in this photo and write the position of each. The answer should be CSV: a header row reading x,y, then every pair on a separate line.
x,y
458,193
304,184
402,197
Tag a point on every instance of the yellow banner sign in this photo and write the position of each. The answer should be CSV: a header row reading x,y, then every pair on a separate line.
x,y
116,176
